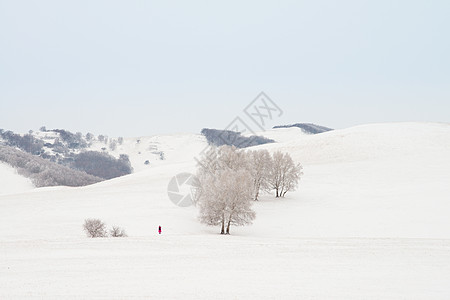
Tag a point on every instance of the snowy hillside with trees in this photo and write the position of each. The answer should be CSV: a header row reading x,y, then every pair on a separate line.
x,y
97,157
306,127
369,220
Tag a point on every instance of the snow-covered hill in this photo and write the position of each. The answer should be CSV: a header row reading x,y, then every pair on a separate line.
x,y
157,150
370,220
380,180
11,182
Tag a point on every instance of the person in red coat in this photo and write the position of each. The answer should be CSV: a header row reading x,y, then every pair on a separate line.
x,y
159,230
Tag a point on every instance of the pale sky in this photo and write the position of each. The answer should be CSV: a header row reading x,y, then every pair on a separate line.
x,y
133,68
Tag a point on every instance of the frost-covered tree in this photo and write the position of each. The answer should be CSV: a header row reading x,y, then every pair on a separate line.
x,y
284,174
71,140
237,190
113,145
226,199
224,189
211,205
228,178
229,157
260,163
89,136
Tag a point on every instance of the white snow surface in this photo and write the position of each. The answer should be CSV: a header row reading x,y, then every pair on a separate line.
x,y
11,182
369,221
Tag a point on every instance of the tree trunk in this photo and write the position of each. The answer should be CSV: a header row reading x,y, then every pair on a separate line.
x,y
256,195
256,190
222,231
229,223
276,191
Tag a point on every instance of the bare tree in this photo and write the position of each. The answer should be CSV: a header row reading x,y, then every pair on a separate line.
x,y
113,145
224,189
284,174
226,199
116,231
94,228
89,136
275,172
260,163
228,179
222,158
238,193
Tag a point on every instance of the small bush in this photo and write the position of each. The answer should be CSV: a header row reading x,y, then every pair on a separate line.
x,y
94,228
116,231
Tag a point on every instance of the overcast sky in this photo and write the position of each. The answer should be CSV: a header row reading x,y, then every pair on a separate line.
x,y
132,68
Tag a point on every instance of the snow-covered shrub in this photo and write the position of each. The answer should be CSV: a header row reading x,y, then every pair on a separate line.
x,y
94,228
116,231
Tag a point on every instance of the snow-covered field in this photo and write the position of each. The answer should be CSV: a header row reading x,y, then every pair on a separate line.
x,y
176,266
369,221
